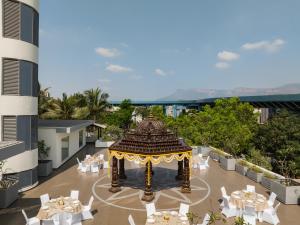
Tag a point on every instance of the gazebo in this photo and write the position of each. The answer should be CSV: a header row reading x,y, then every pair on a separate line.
x,y
150,143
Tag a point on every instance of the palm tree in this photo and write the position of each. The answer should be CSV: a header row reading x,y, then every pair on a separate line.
x,y
96,101
45,102
62,108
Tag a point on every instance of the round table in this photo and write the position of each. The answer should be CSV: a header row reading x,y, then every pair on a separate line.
x,y
59,205
167,218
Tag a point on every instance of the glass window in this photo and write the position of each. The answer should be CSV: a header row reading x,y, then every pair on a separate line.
x,y
80,138
24,130
19,78
35,28
64,148
26,23
20,22
34,132
26,72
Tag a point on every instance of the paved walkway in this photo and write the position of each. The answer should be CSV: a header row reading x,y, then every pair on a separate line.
x,y
111,209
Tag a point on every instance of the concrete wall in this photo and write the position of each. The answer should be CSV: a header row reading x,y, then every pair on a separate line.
x,y
53,140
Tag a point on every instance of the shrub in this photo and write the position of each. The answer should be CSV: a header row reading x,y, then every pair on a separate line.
x,y
256,157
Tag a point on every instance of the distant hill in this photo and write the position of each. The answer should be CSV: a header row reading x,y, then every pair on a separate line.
x,y
189,94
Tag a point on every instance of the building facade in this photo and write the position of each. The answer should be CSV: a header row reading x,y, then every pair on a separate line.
x,y
64,137
19,40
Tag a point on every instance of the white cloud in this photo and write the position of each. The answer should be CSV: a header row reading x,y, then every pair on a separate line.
x,y
108,52
269,46
160,72
117,68
222,65
228,56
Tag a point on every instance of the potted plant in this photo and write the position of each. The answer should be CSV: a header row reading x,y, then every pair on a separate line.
x,y
242,167
215,154
255,173
267,179
227,162
287,190
44,166
8,188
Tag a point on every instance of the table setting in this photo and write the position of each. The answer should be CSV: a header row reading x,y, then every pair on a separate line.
x,y
59,205
167,218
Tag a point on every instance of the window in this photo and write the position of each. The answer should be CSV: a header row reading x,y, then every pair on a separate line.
x,y
21,128
9,128
19,78
20,21
34,132
80,138
64,148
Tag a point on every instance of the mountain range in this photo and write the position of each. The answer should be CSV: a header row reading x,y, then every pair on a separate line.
x,y
198,93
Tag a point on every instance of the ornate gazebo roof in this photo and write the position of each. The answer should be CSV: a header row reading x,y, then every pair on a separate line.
x,y
151,137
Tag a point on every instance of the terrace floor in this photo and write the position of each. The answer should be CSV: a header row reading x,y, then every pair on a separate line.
x,y
111,209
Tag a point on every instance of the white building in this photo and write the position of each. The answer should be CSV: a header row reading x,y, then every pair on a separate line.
x,y
19,28
64,137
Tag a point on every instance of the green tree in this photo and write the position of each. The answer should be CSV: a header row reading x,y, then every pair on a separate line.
x,y
229,125
279,137
45,102
124,114
96,103
142,111
63,108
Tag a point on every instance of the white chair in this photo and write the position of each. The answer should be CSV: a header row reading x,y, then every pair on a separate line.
x,y
206,161
130,220
101,156
76,219
272,199
86,210
250,215
195,165
229,210
58,219
94,168
150,208
224,195
183,209
44,198
32,220
204,165
250,188
105,165
66,219
74,194
270,215
79,164
205,220
85,168
48,222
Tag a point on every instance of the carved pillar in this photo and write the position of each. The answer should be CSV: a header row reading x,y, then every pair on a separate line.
x,y
122,169
148,194
186,188
152,172
180,171
115,187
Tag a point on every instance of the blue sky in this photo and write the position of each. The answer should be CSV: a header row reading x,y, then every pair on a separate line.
x,y
147,49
